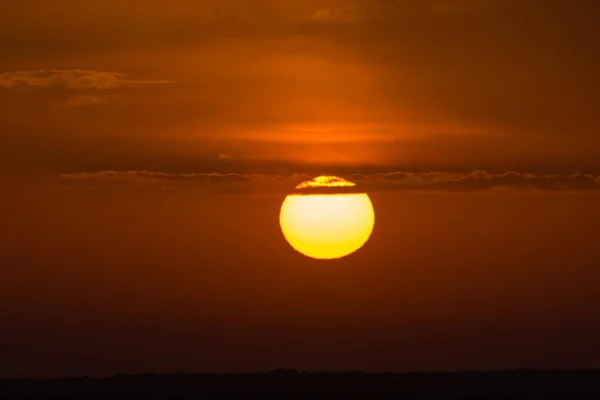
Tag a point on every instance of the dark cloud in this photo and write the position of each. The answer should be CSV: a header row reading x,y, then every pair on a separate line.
x,y
391,181
479,181
212,182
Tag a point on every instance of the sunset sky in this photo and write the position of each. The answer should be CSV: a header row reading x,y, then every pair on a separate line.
x,y
146,147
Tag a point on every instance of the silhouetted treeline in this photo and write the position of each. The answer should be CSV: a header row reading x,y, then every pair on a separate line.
x,y
518,384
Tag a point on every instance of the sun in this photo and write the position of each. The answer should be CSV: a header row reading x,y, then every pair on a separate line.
x,y
326,218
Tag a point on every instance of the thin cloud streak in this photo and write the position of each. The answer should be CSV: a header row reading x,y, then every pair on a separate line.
x,y
450,182
71,79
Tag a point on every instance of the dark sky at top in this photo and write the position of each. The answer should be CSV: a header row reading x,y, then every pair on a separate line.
x,y
158,85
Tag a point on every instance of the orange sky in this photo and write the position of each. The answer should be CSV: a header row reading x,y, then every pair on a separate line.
x,y
431,83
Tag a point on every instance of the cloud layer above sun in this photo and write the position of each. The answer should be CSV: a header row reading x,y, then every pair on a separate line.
x,y
475,181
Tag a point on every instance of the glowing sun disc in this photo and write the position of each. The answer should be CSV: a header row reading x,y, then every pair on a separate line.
x,y
327,226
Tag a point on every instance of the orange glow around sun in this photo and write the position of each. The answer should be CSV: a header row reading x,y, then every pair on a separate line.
x,y
327,226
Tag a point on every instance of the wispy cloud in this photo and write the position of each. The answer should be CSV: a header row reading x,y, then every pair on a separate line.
x,y
449,182
83,100
71,79
478,181
214,182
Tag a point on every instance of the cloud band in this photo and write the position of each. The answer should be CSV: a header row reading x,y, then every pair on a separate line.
x,y
390,181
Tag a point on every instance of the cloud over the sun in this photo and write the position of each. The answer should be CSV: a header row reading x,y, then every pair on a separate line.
x,y
449,182
71,79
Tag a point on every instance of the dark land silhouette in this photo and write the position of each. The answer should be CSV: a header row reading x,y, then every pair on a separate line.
x,y
291,384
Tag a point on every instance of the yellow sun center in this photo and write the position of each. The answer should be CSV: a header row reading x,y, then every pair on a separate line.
x,y
327,226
